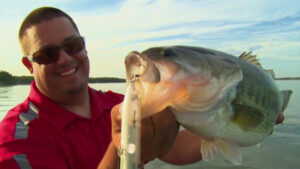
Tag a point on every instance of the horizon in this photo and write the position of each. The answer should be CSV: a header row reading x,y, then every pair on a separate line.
x,y
112,29
125,77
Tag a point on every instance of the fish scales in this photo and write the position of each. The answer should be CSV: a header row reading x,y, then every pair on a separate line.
x,y
255,91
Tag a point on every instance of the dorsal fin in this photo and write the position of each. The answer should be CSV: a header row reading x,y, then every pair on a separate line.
x,y
247,56
271,72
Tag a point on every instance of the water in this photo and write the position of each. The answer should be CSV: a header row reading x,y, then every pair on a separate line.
x,y
279,151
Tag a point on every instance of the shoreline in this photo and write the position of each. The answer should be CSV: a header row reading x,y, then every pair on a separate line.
x,y
287,78
27,80
114,80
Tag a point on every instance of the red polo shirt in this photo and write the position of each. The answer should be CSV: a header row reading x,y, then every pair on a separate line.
x,y
40,134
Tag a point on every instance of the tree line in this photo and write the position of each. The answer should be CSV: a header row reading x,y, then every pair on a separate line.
x,y
7,79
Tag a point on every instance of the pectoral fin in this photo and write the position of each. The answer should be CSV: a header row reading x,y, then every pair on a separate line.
x,y
246,117
209,149
231,151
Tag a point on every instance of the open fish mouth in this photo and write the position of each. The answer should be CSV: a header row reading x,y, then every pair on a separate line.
x,y
149,79
138,65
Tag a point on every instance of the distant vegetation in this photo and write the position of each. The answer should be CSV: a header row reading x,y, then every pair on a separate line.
x,y
106,80
6,79
287,78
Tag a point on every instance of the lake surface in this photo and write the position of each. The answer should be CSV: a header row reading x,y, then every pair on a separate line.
x,y
279,151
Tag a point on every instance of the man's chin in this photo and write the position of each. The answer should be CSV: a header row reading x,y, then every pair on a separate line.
x,y
77,89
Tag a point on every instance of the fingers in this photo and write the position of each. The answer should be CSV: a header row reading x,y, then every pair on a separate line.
x,y
186,149
165,129
116,125
158,132
120,109
280,119
147,136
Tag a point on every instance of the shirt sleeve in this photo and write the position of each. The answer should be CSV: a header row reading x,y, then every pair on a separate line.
x,y
114,97
22,154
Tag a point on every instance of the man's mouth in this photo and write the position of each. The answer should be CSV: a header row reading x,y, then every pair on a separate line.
x,y
68,72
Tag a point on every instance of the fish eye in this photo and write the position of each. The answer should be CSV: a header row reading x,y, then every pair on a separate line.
x,y
168,52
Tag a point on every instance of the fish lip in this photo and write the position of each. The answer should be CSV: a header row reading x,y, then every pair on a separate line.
x,y
132,60
151,72
141,65
157,76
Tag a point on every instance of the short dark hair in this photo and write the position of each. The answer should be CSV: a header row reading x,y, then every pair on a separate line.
x,y
42,14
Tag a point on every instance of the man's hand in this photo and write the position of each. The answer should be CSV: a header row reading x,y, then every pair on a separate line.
x,y
158,133
280,119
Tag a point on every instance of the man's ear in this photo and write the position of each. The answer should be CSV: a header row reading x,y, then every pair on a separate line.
x,y
26,62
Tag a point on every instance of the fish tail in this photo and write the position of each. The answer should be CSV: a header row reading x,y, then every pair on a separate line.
x,y
285,97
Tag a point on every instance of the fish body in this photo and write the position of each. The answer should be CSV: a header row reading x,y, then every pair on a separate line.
x,y
229,101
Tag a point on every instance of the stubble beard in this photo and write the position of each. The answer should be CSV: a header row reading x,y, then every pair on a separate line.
x,y
78,89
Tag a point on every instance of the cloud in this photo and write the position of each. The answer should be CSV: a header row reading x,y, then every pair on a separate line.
x,y
255,47
244,26
114,28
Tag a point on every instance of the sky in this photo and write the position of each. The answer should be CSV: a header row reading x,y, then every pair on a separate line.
x,y
113,28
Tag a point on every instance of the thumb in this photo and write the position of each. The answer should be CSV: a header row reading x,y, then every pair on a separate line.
x,y
116,124
121,105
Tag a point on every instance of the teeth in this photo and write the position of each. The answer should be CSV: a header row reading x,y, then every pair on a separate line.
x,y
68,72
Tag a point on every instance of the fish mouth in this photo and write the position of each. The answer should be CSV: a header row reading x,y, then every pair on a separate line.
x,y
138,65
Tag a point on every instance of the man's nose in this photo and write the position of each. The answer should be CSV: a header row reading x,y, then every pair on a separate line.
x,y
64,57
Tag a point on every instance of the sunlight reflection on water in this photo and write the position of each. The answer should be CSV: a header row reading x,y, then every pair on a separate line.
x,y
279,151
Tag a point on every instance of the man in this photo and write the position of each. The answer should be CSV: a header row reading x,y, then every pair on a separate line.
x,y
64,124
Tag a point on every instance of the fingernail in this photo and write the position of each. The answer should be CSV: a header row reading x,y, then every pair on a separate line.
x,y
120,108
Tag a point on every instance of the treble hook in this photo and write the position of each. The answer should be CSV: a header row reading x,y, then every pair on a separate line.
x,y
134,78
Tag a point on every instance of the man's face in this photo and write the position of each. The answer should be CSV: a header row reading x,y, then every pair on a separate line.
x,y
69,74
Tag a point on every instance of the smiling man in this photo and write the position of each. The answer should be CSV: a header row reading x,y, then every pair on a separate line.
x,y
66,80
63,123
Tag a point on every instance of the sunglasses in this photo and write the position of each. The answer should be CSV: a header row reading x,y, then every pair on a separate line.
x,y
50,54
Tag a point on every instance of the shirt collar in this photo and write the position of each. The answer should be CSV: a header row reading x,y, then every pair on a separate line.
x,y
56,114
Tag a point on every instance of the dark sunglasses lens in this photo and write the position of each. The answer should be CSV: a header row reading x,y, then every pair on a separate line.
x,y
73,46
46,56
51,54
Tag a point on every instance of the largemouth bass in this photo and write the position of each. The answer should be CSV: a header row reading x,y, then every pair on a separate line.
x,y
229,101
